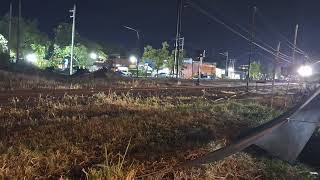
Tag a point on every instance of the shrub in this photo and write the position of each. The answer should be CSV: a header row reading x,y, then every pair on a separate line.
x,y
4,60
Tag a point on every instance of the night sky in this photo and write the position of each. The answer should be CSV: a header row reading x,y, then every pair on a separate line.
x,y
102,20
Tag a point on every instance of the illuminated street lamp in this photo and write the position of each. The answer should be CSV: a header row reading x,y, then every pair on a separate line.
x,y
32,58
93,56
134,60
305,71
138,45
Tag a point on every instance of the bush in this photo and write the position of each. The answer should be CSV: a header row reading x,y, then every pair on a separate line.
x,y
4,60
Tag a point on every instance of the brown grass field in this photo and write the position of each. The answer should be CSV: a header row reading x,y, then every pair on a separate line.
x,y
120,135
109,136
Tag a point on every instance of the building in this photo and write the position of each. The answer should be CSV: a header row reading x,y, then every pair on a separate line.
x,y
220,73
191,69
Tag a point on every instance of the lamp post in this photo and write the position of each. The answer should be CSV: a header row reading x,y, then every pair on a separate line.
x,y
134,60
138,45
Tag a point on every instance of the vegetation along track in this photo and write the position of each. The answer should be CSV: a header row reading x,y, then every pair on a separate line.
x,y
22,95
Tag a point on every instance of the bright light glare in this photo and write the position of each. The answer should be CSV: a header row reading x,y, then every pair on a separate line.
x,y
93,56
305,71
230,69
133,59
32,58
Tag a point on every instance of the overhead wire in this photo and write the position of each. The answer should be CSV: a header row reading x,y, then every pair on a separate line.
x,y
276,32
203,11
249,33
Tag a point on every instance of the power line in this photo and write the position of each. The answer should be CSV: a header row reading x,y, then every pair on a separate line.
x,y
233,30
276,32
255,38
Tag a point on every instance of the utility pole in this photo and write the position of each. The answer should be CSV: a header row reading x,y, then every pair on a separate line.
x,y
251,45
178,37
227,62
18,34
139,54
274,72
201,56
192,68
226,54
293,61
10,30
295,44
231,68
73,11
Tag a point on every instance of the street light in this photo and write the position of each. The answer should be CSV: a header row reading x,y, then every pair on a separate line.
x,y
138,44
93,56
32,58
135,30
133,60
305,71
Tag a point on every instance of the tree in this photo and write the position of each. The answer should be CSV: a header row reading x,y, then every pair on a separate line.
x,y
40,51
94,47
61,48
3,44
30,34
63,35
81,56
255,70
171,62
160,57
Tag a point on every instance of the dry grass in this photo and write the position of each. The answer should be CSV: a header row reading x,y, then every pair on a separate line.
x,y
107,136
36,79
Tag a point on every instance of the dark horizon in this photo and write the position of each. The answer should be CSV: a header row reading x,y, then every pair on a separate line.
x,y
102,21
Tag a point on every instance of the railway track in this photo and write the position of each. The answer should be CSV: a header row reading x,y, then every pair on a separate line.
x,y
29,96
7,96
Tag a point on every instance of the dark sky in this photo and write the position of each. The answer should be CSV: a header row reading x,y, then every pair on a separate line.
x,y
103,19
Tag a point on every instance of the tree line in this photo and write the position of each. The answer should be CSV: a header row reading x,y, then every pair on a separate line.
x,y
51,51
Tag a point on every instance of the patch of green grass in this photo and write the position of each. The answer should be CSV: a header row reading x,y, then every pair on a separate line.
x,y
245,166
277,169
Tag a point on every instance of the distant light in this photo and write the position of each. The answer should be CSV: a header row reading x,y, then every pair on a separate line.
x,y
93,56
230,69
133,60
32,58
305,71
